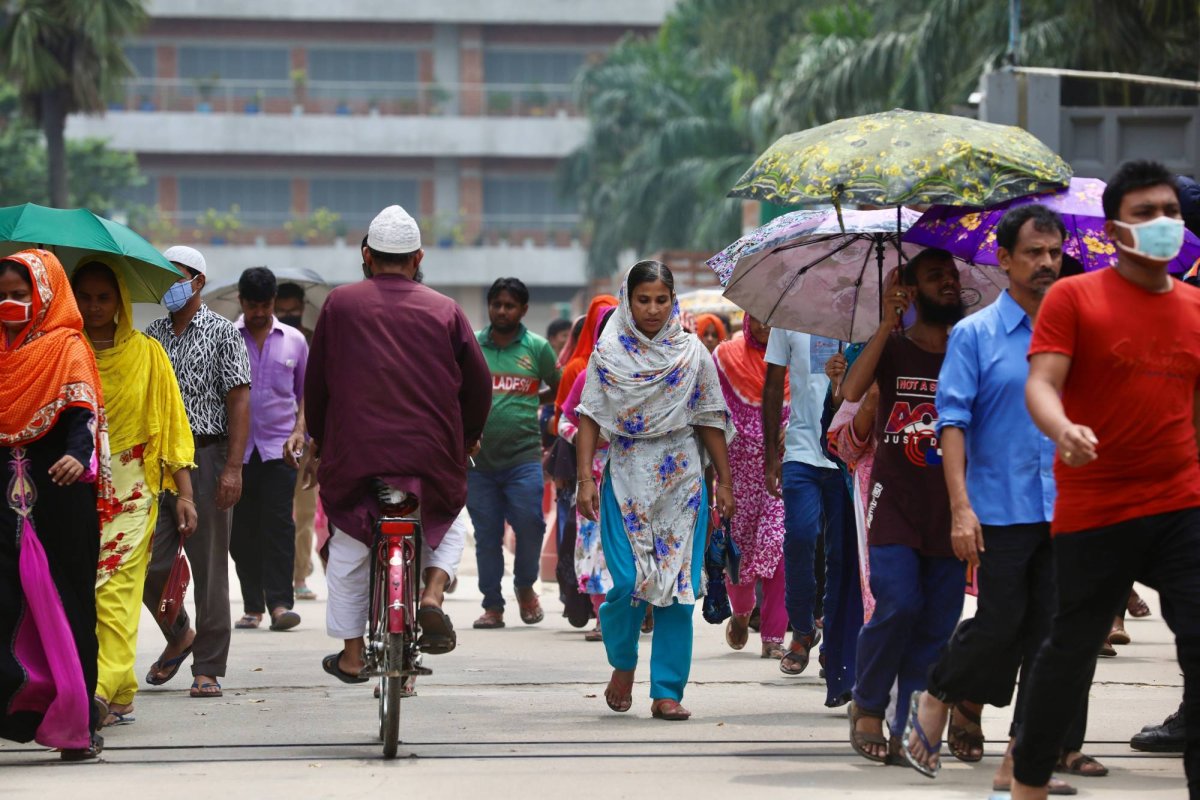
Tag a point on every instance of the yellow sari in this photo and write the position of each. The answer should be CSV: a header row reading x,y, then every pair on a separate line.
x,y
149,439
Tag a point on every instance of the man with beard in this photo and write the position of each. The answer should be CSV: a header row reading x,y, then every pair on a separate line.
x,y
916,580
506,483
396,390
998,469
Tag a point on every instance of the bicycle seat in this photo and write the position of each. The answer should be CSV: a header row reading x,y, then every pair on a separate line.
x,y
395,502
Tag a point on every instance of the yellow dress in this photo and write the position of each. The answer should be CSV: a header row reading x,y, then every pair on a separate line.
x,y
150,439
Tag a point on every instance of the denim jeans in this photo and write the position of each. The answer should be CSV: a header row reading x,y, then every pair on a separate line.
x,y
512,495
918,600
814,500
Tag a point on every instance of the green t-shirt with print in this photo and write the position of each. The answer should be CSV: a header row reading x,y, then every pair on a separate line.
x,y
511,436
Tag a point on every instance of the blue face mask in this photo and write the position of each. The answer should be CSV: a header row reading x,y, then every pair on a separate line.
x,y
1159,239
178,296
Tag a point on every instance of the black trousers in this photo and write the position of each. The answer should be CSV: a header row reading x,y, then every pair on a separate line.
x,y
1012,619
1094,569
263,541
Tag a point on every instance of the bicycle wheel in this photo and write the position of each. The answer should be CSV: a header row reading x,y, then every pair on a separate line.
x,y
389,714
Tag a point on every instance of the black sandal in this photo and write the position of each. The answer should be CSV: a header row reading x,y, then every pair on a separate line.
x,y
330,664
437,634
93,750
795,662
1076,764
960,740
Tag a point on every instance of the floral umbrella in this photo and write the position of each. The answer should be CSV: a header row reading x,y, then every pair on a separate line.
x,y
903,157
971,234
803,273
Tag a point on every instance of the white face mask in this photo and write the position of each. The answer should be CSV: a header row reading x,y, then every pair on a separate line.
x,y
1159,239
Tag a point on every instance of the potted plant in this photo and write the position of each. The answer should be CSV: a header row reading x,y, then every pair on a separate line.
x,y
220,226
159,228
320,226
500,103
438,97
206,87
342,109
536,100
373,106
255,104
299,85
340,229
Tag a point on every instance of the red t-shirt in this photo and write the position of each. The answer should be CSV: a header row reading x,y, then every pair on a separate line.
x,y
1135,364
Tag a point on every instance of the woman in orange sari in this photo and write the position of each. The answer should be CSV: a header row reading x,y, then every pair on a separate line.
x,y
54,463
711,330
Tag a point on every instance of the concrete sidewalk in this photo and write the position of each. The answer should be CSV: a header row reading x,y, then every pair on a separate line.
x,y
520,712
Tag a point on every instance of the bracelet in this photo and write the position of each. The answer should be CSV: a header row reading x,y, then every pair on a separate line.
x,y
187,500
585,480
728,486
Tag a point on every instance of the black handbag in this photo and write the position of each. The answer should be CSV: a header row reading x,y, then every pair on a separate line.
x,y
721,557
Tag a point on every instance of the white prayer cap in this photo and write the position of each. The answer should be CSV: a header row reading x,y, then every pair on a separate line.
x,y
188,256
394,231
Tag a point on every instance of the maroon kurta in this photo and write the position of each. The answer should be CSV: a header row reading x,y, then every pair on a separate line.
x,y
397,388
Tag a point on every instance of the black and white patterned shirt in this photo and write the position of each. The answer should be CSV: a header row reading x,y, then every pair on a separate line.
x,y
210,360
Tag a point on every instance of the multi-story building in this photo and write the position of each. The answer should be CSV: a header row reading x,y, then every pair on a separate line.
x,y
272,131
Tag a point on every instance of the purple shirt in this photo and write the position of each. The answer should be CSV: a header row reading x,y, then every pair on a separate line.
x,y
276,387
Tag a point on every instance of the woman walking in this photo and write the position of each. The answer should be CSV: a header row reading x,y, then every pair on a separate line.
x,y
54,465
758,529
652,392
152,446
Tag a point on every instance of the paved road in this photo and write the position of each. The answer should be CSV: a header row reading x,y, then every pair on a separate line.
x,y
520,711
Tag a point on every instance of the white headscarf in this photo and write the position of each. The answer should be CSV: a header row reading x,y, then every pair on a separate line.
x,y
640,388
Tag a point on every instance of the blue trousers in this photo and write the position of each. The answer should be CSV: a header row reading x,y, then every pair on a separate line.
x,y
621,616
814,501
494,497
918,601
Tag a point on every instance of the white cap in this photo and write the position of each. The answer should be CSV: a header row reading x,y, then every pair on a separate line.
x,y
188,256
394,231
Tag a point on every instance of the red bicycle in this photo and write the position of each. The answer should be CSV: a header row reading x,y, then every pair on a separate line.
x,y
392,654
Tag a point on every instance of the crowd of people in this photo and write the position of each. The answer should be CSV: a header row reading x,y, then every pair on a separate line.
x,y
1040,453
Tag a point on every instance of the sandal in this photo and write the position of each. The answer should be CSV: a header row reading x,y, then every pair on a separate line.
x,y
206,689
1136,606
794,661
285,620
331,665
119,718
624,701
669,710
860,739
594,635
248,622
1054,787
1118,634
648,622
100,707
773,650
965,742
932,751
437,633
530,607
93,750
737,632
305,593
171,665
1077,765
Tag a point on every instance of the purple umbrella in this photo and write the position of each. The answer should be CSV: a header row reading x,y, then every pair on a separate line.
x,y
971,234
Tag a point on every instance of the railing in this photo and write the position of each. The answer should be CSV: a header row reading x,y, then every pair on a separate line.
x,y
346,98
271,228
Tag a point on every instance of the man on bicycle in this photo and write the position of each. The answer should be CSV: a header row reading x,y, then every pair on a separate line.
x,y
397,389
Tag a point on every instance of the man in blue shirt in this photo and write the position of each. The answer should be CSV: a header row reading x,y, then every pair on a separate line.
x,y
999,474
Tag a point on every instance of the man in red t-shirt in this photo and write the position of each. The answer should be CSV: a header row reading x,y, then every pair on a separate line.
x,y
1113,374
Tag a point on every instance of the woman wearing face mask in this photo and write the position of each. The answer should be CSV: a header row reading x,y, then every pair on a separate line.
x,y
54,462
152,446
652,392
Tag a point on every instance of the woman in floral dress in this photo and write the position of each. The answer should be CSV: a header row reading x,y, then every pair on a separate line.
x,y
152,450
758,529
652,391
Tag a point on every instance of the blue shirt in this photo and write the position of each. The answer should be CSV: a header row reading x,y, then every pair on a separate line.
x,y
981,389
804,356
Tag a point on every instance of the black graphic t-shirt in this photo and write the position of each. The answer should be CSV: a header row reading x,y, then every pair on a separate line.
x,y
909,504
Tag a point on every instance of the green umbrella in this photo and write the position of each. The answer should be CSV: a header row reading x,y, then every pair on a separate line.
x,y
903,157
77,236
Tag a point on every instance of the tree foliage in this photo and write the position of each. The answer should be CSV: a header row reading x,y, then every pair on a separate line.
x,y
675,119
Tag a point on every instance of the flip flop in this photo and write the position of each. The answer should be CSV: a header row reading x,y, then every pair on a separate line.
x,y
913,725
201,690
248,622
330,664
305,593
437,633
669,710
126,718
172,665
960,739
1075,765
626,701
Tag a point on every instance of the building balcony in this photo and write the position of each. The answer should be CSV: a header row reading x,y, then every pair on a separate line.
x,y
471,12
346,98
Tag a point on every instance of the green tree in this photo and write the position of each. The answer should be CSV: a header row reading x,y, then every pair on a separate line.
x,y
64,57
